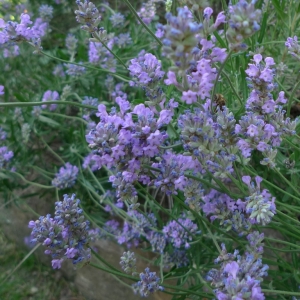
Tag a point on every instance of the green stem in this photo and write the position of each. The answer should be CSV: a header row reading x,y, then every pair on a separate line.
x,y
171,146
219,73
290,143
32,183
53,152
281,292
25,104
141,21
88,67
286,181
112,53
64,116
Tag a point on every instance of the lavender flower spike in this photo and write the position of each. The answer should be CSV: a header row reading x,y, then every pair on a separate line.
x,y
66,176
148,284
66,236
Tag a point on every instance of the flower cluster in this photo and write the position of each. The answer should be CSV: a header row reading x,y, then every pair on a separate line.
x,y
88,15
50,96
19,32
5,156
148,284
180,38
180,232
239,277
117,20
243,22
66,176
293,46
260,205
122,141
66,235
98,54
239,216
128,262
170,176
146,72
147,12
264,123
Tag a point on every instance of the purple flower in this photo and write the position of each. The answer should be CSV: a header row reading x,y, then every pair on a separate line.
x,y
65,236
50,96
148,284
1,90
239,277
5,156
66,176
179,232
189,97
71,252
117,20
56,263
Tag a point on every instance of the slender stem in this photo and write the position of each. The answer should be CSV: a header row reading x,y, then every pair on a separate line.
x,y
64,116
20,263
52,151
141,21
32,183
112,53
171,146
287,181
87,66
219,73
25,104
281,292
290,143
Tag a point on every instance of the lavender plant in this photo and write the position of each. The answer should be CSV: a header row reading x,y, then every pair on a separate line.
x,y
183,136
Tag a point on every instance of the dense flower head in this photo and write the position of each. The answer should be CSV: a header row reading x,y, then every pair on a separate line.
x,y
98,54
239,277
180,37
170,175
146,72
88,15
50,96
176,258
66,176
230,213
260,78
19,32
148,284
46,12
260,205
243,22
117,20
147,12
293,46
75,70
121,140
66,235
5,156
128,262
123,40
179,233
71,44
